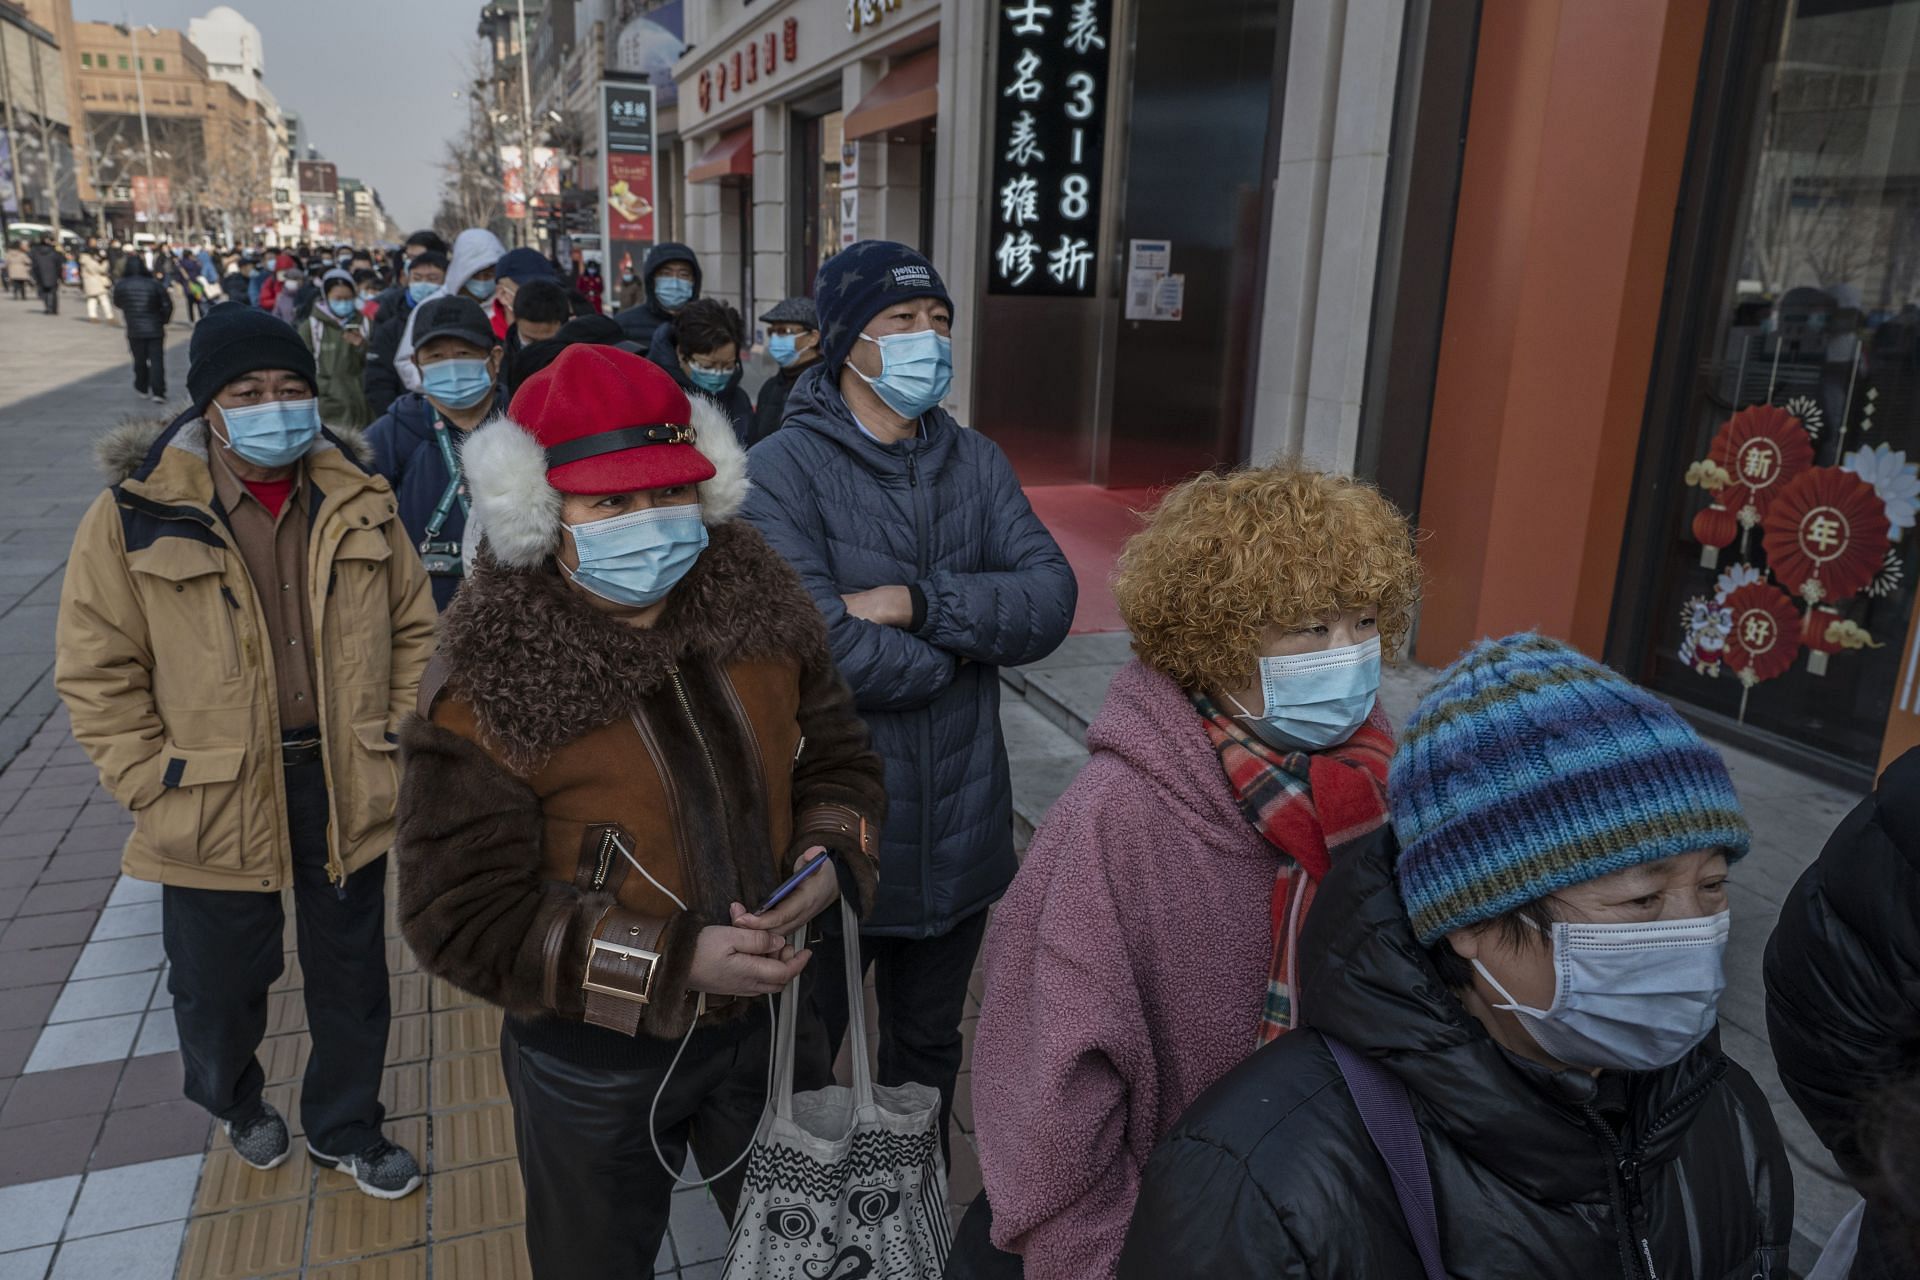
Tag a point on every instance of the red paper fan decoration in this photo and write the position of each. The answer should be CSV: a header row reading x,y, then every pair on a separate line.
x,y
1762,447
1826,534
1765,635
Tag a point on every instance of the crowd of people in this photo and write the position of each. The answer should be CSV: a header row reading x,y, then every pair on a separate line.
x,y
441,561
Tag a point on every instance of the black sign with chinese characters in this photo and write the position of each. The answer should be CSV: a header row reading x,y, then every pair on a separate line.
x,y
1049,138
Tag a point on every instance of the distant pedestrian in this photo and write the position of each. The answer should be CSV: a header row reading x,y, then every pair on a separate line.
x,y
932,572
147,306
793,329
1150,941
629,294
471,271
49,264
590,286
292,281
1523,975
700,348
19,270
426,271
670,277
1843,1007
242,627
336,333
96,284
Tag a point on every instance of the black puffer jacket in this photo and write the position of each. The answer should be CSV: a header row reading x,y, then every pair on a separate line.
x,y
640,322
143,300
1535,1174
1843,984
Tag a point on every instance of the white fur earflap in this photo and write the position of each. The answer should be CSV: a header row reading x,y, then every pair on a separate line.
x,y
507,474
722,496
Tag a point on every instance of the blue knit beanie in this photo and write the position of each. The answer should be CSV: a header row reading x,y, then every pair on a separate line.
x,y
859,282
1530,767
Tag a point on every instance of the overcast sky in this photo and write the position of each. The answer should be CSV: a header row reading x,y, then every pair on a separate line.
x,y
374,80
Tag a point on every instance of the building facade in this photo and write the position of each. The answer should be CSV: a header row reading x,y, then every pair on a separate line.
x,y
44,174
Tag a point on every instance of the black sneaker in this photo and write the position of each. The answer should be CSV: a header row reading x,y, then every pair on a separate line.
x,y
262,1140
382,1170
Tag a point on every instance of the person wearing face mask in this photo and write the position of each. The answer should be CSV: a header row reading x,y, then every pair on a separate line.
x,y
418,443
426,272
670,279
588,284
793,340
639,735
1150,940
628,292
1523,973
700,348
336,333
470,274
932,571
147,306
242,627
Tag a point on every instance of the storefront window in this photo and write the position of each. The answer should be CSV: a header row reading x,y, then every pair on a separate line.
x,y
1783,569
817,140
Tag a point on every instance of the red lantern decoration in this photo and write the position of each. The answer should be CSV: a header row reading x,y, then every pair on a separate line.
x,y
1826,534
1765,636
1762,447
1715,526
1813,635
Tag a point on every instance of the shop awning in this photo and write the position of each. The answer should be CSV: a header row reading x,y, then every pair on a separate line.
x,y
908,93
732,156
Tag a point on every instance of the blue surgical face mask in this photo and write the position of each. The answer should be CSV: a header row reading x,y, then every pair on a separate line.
x,y
418,291
458,384
672,292
783,348
711,381
637,558
272,434
1629,997
915,370
342,307
1316,700
481,289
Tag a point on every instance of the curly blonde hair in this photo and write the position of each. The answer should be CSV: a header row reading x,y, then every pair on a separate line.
x,y
1228,555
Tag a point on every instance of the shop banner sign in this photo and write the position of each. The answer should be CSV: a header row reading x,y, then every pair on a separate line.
x,y
1049,140
628,196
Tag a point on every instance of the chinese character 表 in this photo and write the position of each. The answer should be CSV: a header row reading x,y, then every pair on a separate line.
x,y
1028,17
1024,86
1015,256
1083,28
1070,259
1023,148
1020,201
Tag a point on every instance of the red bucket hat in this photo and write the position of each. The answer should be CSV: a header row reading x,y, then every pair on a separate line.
x,y
596,420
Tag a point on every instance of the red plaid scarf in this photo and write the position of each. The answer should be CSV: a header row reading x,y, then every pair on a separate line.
x,y
1307,805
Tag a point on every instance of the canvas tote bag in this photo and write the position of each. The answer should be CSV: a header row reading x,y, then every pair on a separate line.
x,y
843,1184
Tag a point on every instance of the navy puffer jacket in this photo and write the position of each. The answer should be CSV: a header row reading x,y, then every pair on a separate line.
x,y
405,452
943,513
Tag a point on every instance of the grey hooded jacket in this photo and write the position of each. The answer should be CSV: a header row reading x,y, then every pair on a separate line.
x,y
943,514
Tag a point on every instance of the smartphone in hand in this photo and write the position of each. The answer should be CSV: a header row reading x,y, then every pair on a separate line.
x,y
793,882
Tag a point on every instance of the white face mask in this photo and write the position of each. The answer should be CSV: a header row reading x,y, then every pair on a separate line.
x,y
1630,997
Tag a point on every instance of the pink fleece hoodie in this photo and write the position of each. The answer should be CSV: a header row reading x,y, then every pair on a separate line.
x,y
1126,969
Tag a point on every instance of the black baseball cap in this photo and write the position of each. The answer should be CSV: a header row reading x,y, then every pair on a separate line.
x,y
456,316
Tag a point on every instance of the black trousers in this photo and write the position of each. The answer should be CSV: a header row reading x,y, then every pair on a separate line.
x,y
194,306
50,299
19,289
224,951
598,1200
149,364
922,988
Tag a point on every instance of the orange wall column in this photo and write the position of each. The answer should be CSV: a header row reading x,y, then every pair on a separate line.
x,y
1575,146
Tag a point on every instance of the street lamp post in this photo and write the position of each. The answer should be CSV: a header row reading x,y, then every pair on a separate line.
x,y
526,131
140,88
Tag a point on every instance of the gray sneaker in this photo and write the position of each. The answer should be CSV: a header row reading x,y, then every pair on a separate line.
x,y
261,1141
382,1170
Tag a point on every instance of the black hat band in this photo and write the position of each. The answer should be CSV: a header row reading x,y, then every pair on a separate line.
x,y
614,441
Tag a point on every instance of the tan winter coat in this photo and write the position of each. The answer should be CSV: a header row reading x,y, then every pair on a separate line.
x,y
94,280
161,661
19,264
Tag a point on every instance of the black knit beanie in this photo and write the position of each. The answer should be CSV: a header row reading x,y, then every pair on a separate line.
x,y
234,339
862,280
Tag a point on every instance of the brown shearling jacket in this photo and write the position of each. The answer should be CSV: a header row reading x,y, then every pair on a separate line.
x,y
714,747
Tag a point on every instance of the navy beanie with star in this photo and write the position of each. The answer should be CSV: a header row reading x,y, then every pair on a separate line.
x,y
862,280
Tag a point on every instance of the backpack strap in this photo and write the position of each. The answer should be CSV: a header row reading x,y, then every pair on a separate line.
x,y
1387,1112
433,681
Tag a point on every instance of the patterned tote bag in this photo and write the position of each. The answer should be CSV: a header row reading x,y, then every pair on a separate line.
x,y
843,1184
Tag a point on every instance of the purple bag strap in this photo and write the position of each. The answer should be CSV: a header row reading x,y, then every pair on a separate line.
x,y
1388,1114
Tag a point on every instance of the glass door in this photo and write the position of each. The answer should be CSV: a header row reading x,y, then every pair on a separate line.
x,y
1770,571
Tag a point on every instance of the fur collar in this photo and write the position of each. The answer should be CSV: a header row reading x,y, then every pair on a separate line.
x,y
540,665
121,451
